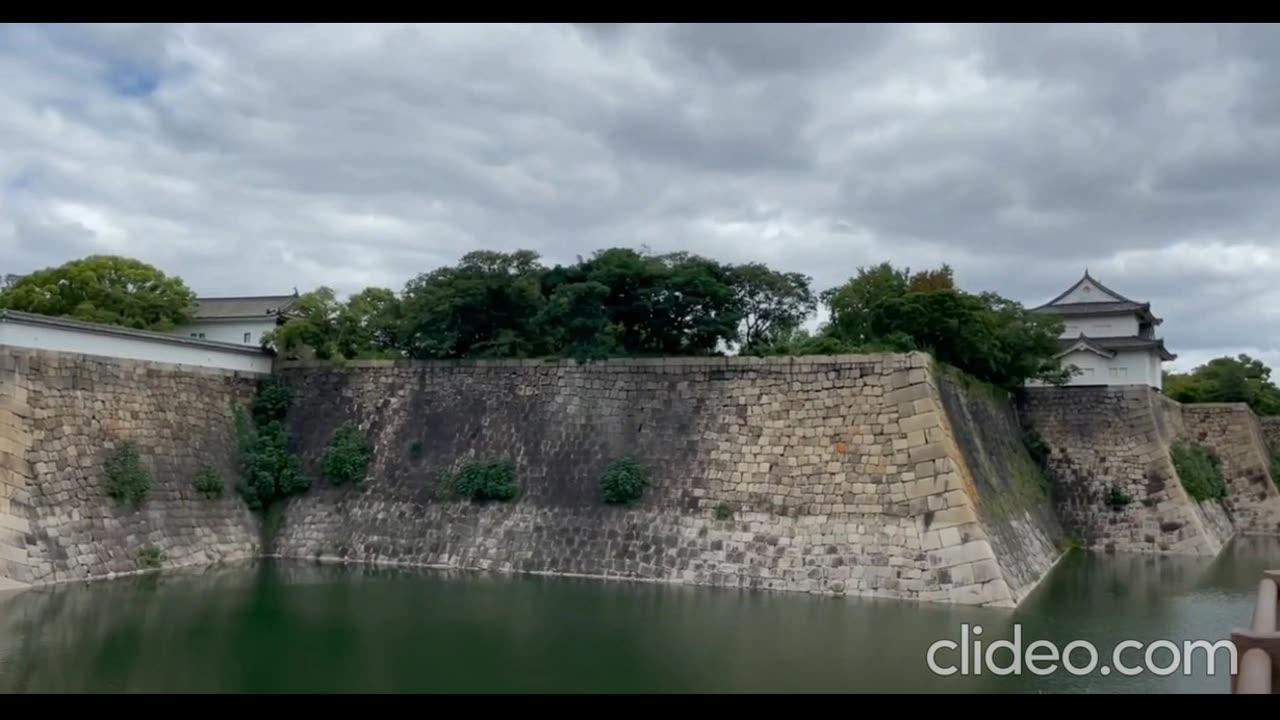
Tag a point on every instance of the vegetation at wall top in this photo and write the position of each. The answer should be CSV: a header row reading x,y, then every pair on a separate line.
x,y
617,302
624,481
127,479
104,289
1200,471
1226,379
621,302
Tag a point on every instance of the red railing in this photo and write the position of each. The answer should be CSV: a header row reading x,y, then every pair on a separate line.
x,y
1258,647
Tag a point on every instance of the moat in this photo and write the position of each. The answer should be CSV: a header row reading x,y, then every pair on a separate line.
x,y
280,626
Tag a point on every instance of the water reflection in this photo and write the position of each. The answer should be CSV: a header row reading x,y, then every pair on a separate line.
x,y
301,627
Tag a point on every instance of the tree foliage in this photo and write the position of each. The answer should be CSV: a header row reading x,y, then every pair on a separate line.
x,y
1226,379
485,306
269,469
988,336
773,304
634,303
104,289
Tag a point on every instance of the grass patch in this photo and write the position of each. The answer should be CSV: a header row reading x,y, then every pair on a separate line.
x,y
971,384
1200,471
724,511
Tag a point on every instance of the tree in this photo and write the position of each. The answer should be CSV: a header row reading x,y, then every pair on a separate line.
x,y
576,321
312,325
773,304
369,324
486,306
1226,379
673,304
988,336
104,289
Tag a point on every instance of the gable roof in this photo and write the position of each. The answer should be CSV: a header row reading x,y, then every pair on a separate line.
x,y
1117,305
1108,346
244,308
1067,346
1115,296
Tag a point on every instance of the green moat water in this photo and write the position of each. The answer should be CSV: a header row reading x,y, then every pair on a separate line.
x,y
299,627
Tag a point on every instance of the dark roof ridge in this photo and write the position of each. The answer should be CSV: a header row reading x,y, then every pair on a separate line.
x,y
1100,286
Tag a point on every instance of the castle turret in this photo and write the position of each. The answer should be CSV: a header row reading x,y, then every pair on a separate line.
x,y
1110,338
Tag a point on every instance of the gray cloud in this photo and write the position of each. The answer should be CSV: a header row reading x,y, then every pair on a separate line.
x,y
253,159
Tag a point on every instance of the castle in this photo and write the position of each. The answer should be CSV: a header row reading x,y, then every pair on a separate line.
x,y
1110,339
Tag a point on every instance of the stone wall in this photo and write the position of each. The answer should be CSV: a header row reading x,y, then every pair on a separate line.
x,y
1106,439
61,415
1233,433
835,475
1270,426
1010,492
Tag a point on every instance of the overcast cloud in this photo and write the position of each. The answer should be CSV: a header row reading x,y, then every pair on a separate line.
x,y
256,159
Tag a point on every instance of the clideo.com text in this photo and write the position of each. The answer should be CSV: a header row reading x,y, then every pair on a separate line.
x,y
971,654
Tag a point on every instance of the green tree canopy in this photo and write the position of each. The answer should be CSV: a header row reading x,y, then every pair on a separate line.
x,y
1227,379
626,302
773,304
988,336
485,306
105,289
313,325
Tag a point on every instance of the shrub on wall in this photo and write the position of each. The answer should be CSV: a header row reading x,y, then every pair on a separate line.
x,y
127,480
271,404
208,483
1036,447
269,470
346,460
624,481
1116,498
485,480
150,557
1200,471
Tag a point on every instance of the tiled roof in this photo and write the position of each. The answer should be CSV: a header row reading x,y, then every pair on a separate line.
x,y
243,307
1110,345
1093,308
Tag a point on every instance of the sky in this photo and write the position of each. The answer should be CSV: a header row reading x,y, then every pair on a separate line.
x,y
257,159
